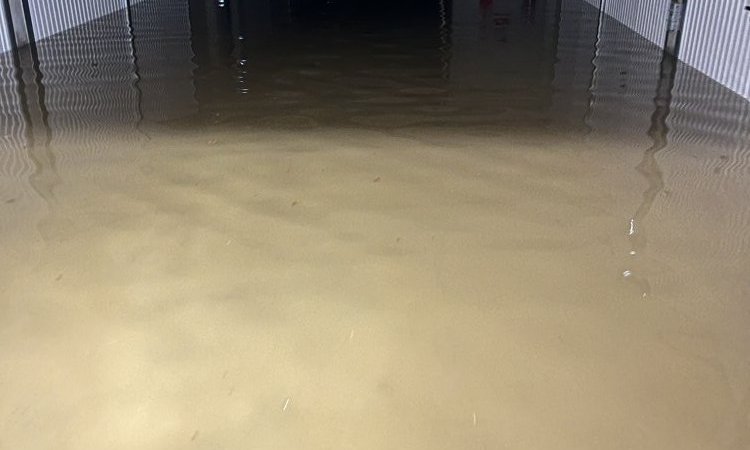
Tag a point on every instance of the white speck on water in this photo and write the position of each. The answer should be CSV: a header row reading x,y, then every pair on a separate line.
x,y
627,274
287,401
474,418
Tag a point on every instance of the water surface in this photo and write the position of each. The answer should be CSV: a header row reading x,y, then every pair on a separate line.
x,y
435,226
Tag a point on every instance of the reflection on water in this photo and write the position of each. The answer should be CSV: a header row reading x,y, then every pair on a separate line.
x,y
333,225
658,132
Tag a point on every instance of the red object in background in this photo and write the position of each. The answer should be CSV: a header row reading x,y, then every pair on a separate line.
x,y
485,4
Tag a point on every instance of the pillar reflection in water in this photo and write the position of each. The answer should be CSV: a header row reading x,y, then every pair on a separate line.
x,y
162,41
27,93
16,165
28,172
65,96
658,133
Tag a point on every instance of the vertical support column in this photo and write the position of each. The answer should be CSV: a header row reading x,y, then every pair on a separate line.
x,y
674,28
19,22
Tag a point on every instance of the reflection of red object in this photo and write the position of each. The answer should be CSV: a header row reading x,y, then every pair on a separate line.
x,y
485,4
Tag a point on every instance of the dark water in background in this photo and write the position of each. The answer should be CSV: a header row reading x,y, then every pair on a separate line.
x,y
428,224
530,65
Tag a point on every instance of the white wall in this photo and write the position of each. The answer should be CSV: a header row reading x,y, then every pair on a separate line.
x,y
5,44
50,17
646,17
715,36
716,41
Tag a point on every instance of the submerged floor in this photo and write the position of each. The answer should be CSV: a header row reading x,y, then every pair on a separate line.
x,y
465,227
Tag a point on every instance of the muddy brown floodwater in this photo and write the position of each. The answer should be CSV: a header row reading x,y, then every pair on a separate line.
x,y
453,226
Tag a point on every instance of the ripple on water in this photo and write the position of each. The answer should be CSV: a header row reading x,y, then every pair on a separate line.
x,y
410,232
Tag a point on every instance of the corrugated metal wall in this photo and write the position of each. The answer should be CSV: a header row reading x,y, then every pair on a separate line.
x,y
646,17
5,42
717,42
715,38
50,17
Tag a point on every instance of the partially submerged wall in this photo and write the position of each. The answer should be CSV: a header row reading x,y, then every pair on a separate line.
x,y
715,34
50,17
